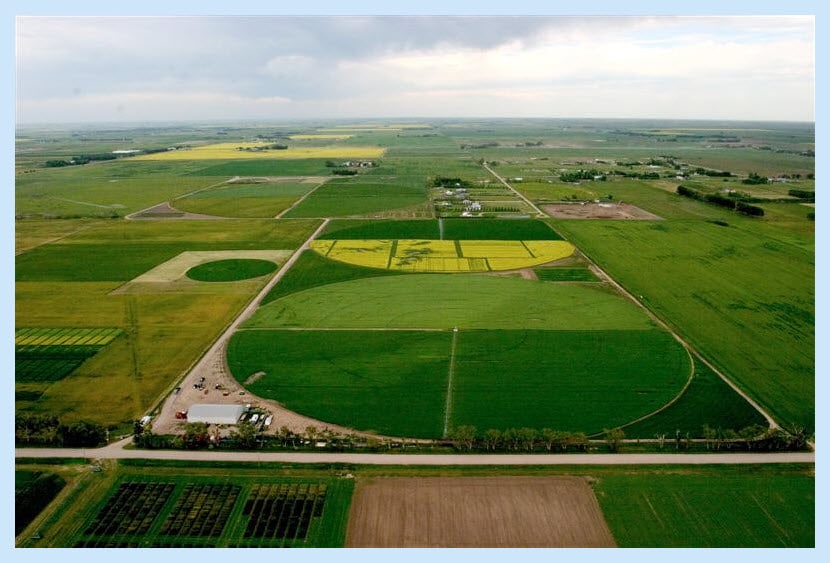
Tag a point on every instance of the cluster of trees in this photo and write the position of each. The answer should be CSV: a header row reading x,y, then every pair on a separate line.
x,y
47,430
734,203
755,438
518,439
502,209
271,147
582,175
639,175
79,160
754,179
488,145
712,173
446,182
344,172
803,194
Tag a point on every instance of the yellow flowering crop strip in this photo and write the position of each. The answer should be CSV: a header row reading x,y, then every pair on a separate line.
x,y
231,151
442,255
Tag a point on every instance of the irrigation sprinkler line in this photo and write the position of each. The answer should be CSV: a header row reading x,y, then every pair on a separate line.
x,y
448,403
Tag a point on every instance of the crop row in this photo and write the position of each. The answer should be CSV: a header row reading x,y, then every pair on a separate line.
x,y
201,510
65,336
131,510
34,370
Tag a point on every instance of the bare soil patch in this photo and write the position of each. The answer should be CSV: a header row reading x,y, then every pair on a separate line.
x,y
477,512
598,211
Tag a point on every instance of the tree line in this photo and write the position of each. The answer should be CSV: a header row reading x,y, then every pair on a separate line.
x,y
48,430
731,203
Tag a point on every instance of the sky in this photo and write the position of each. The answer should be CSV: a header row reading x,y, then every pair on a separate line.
x,y
142,69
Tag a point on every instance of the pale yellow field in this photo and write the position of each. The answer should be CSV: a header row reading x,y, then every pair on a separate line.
x,y
227,151
318,136
442,255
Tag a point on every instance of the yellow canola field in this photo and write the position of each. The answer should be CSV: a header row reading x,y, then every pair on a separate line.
x,y
227,151
494,249
441,255
370,253
431,248
311,136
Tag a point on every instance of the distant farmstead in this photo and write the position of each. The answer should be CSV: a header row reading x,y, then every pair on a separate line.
x,y
215,414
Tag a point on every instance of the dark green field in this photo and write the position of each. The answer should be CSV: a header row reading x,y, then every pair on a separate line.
x,y
396,382
313,270
718,508
343,198
33,490
565,274
231,270
392,383
566,380
743,295
707,401
448,229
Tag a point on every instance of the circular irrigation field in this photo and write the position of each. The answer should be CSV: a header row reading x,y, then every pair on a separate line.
x,y
574,358
235,269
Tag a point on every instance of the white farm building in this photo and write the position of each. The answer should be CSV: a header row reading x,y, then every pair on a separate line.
x,y
215,414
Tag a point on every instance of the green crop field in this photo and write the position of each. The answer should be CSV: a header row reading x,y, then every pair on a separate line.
x,y
76,282
446,229
565,274
231,270
749,507
448,300
194,507
390,382
301,167
396,382
313,270
245,200
742,294
568,380
343,198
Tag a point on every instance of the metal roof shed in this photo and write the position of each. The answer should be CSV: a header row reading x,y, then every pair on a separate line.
x,y
215,414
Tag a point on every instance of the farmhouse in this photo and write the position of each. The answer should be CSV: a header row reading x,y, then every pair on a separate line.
x,y
215,414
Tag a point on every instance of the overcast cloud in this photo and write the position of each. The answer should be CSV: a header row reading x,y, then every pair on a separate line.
x,y
162,69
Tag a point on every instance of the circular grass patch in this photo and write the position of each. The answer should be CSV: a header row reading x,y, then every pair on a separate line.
x,y
231,270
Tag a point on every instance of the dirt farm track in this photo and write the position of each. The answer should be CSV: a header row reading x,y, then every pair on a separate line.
x,y
477,512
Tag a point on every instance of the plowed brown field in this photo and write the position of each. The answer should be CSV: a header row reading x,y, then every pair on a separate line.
x,y
477,512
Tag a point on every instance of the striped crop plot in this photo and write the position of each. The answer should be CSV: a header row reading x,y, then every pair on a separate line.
x,y
416,255
210,511
50,354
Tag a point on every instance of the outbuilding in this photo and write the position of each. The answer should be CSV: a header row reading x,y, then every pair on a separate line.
x,y
215,414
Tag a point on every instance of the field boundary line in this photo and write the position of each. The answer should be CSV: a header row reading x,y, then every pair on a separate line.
x,y
299,201
676,397
451,372
131,216
773,424
51,240
511,188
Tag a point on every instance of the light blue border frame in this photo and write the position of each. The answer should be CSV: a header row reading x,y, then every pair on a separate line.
x,y
11,8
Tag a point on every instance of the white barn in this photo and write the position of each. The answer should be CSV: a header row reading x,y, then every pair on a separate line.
x,y
215,414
